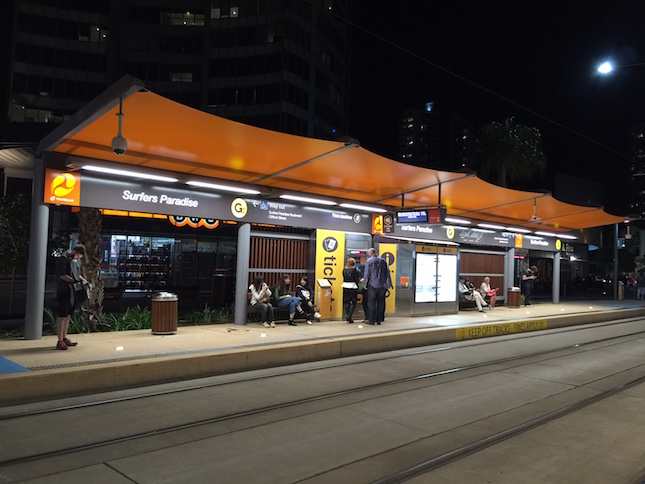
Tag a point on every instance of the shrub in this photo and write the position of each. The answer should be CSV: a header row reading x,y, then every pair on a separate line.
x,y
208,315
132,319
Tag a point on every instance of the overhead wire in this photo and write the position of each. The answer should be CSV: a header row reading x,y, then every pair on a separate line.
x,y
472,83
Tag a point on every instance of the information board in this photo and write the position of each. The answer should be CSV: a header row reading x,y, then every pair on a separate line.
x,y
412,216
436,278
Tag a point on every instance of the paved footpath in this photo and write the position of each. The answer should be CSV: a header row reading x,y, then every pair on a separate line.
x,y
32,370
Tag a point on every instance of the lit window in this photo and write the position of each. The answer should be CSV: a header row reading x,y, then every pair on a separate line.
x,y
181,77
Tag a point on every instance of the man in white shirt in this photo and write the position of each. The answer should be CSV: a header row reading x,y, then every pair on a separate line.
x,y
470,295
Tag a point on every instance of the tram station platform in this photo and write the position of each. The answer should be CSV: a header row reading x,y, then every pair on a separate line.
x,y
33,370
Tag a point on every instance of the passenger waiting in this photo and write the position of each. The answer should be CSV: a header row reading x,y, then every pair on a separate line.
x,y
284,299
350,288
487,291
471,295
260,296
305,294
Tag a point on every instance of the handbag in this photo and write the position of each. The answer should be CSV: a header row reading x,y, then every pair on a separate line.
x,y
490,293
350,285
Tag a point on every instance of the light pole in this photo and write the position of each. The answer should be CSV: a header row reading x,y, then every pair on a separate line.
x,y
606,68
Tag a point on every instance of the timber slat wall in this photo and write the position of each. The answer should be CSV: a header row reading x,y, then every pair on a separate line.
x,y
272,257
476,266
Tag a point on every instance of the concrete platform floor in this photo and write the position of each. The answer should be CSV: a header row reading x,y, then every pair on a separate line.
x,y
32,370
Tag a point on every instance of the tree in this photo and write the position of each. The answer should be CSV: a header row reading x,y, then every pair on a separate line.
x,y
507,152
14,227
604,259
89,227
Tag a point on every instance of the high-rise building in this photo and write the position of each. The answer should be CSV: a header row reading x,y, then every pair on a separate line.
x,y
277,64
637,202
430,138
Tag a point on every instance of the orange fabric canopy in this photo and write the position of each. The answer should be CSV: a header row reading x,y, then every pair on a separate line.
x,y
165,135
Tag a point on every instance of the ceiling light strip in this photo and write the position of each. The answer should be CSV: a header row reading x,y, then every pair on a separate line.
x,y
226,188
128,173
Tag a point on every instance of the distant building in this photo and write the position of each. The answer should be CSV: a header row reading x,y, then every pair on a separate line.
x,y
637,202
282,65
432,139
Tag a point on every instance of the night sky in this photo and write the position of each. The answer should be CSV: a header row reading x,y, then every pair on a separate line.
x,y
541,55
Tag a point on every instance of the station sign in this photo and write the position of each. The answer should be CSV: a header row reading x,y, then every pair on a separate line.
x,y
143,196
474,236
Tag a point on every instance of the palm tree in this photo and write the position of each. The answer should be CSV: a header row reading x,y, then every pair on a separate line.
x,y
89,227
508,152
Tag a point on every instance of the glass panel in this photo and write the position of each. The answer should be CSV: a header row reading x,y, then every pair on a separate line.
x,y
226,257
206,257
159,269
137,256
184,262
109,273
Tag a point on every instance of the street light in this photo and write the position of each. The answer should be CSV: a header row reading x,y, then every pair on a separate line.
x,y
607,67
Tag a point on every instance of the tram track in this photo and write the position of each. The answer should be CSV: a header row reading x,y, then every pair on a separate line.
x,y
515,431
561,351
8,413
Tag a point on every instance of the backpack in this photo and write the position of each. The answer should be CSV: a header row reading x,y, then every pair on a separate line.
x,y
382,270
272,299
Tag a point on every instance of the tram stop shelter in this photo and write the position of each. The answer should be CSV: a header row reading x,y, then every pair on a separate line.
x,y
173,140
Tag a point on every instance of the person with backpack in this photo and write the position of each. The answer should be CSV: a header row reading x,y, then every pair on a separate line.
x,y
377,275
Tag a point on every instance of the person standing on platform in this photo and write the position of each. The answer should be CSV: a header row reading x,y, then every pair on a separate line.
x,y
364,300
640,285
70,284
529,278
376,274
350,288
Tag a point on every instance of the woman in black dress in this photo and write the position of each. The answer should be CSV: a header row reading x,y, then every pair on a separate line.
x,y
350,288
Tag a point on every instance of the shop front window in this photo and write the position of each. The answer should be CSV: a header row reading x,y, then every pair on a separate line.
x,y
136,263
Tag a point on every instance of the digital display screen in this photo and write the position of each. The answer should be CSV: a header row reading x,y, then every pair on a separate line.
x,y
436,278
434,215
412,216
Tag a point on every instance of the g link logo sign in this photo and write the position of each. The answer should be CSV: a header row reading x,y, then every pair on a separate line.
x,y
239,208
62,188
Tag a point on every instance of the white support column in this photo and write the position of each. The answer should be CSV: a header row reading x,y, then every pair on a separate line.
x,y
37,266
509,272
556,278
242,272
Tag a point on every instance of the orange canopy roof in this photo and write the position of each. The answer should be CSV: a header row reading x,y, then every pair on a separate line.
x,y
165,135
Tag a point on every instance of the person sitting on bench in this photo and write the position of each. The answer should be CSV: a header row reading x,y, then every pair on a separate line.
x,y
260,296
471,295
284,299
